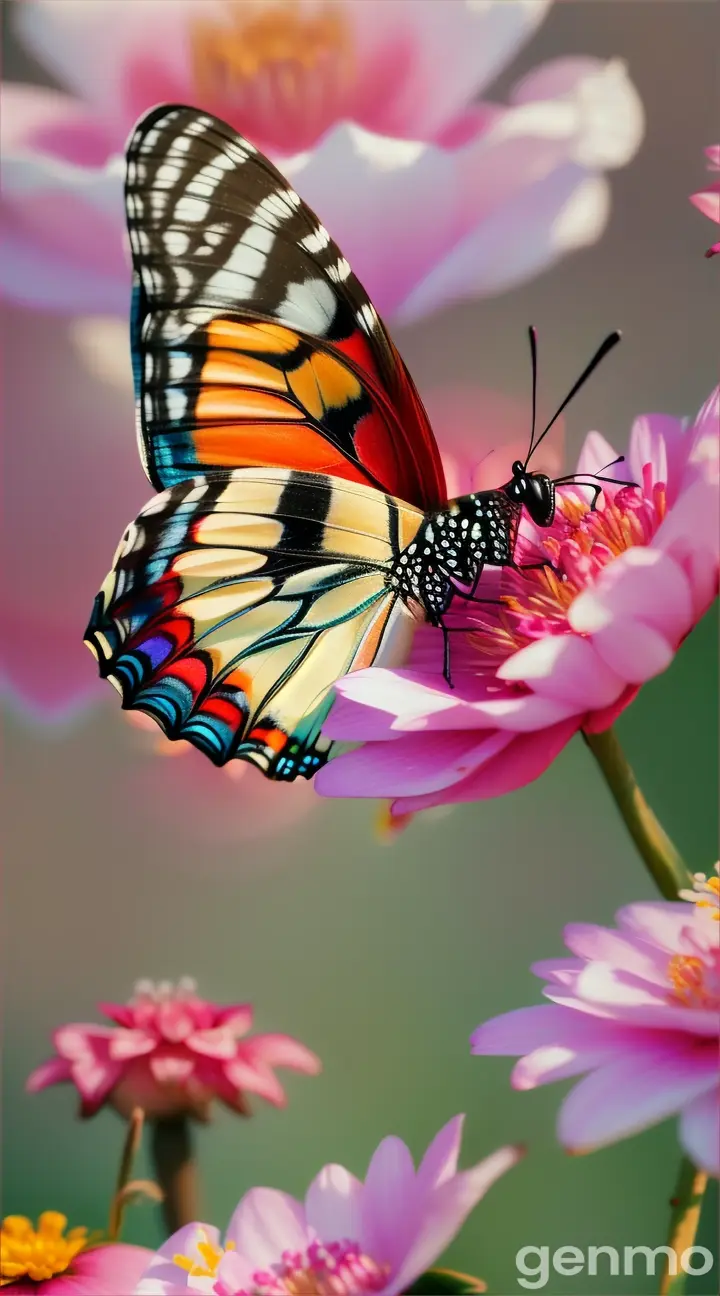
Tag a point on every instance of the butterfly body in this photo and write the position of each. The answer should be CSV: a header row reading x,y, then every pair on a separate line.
x,y
302,524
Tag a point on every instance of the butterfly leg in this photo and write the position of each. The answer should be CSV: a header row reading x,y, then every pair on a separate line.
x,y
471,597
446,654
523,567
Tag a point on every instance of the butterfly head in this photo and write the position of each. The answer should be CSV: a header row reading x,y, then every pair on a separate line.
x,y
533,491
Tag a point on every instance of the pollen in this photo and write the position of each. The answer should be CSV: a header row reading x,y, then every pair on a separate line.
x,y
694,983
41,1253
705,894
580,544
282,40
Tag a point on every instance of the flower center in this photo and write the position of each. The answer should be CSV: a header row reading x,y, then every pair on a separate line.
x,y
325,1269
39,1253
211,1255
580,543
695,982
705,893
271,69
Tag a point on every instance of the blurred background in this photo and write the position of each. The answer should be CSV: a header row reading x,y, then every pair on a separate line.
x,y
123,862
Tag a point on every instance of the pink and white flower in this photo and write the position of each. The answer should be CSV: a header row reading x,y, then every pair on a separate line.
x,y
567,649
708,199
371,109
347,1237
636,1011
51,1261
171,1052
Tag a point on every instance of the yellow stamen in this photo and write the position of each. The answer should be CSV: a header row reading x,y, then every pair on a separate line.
x,y
689,977
39,1254
211,1254
280,37
705,893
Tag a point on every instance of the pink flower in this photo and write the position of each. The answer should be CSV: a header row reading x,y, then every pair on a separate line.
x,y
708,200
348,1236
382,96
50,1261
171,1052
638,1008
568,649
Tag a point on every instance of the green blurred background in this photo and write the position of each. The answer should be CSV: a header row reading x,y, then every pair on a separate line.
x,y
383,957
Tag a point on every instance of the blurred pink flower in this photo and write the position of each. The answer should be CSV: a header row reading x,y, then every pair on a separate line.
x,y
348,1237
568,649
50,1261
480,432
76,479
639,1009
708,199
219,806
171,1052
370,108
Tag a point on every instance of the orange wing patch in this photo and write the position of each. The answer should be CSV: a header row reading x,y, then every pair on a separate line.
x,y
273,445
322,383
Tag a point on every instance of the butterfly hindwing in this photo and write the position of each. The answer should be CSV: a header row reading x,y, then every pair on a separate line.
x,y
236,601
254,344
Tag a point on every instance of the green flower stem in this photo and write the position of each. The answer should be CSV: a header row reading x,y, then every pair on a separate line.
x,y
686,1208
133,1138
175,1170
665,865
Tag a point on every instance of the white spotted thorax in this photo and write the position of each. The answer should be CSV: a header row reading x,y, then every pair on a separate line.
x,y
452,547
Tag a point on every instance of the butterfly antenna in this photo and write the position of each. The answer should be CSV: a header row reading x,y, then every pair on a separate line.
x,y
532,334
605,347
598,476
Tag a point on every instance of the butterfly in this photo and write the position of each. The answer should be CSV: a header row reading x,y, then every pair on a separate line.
x,y
302,525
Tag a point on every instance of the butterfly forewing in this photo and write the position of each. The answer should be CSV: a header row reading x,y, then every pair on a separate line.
x,y
254,343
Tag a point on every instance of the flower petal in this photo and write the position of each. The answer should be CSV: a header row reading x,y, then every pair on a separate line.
x,y
542,1026
633,649
704,457
446,1210
643,586
657,440
632,1093
522,236
332,1204
389,1203
510,766
127,1044
606,945
275,1050
54,1071
91,46
700,1131
451,52
565,667
659,922
440,1160
162,1275
266,1223
107,1270
597,453
217,1042
370,703
411,766
610,116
